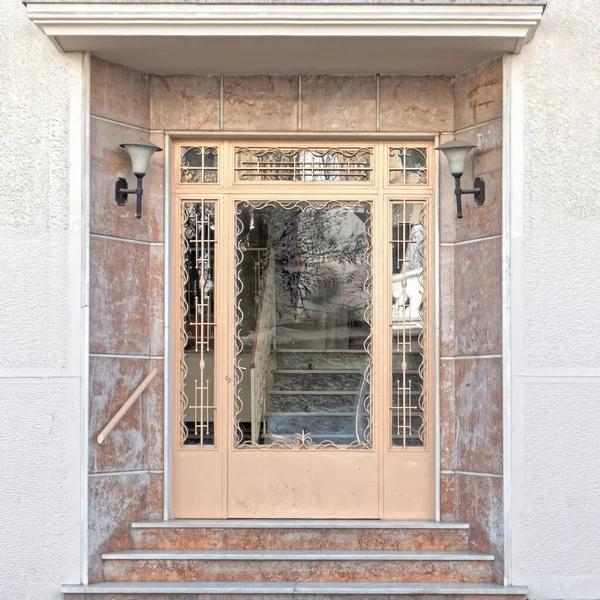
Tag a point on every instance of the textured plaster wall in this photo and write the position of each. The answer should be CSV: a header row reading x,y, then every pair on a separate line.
x,y
555,314
40,322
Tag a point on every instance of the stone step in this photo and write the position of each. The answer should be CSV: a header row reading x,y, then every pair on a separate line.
x,y
321,534
315,423
321,359
325,401
317,379
312,400
330,380
289,591
298,566
337,359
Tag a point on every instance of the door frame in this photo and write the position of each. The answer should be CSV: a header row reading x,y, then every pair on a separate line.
x,y
172,138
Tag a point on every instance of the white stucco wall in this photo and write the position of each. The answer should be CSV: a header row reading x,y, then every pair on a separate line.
x,y
41,315
553,480
554,489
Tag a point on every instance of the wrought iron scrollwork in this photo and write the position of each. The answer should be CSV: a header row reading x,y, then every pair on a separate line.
x,y
408,165
409,325
303,164
304,440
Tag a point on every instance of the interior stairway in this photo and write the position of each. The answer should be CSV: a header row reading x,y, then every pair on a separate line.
x,y
315,391
318,392
311,560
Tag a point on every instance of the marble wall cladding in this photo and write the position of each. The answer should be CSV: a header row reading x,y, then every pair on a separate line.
x,y
153,416
136,443
111,382
156,305
339,103
260,103
447,416
478,95
448,497
114,502
478,298
155,497
484,162
127,279
416,104
126,315
120,322
185,102
127,478
479,502
119,93
448,220
447,284
477,317
109,162
154,192
478,390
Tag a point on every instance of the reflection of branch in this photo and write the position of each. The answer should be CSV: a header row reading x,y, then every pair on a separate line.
x,y
313,255
321,251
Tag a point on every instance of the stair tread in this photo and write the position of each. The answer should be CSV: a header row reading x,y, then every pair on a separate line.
x,y
323,351
253,587
316,413
321,555
297,524
320,371
316,392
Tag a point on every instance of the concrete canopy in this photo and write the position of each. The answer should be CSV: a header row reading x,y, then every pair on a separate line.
x,y
405,38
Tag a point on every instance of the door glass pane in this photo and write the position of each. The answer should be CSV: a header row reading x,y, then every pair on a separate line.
x,y
303,325
197,419
408,414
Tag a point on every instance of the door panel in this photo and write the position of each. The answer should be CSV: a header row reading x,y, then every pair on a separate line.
x,y
302,332
302,413
318,484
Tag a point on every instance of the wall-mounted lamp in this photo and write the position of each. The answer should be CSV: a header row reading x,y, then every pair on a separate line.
x,y
456,152
140,154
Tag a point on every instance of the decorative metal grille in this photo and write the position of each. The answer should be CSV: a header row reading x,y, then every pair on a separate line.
x,y
198,410
199,164
301,440
408,166
408,326
304,164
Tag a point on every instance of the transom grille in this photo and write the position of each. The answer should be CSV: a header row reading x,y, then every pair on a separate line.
x,y
199,164
408,165
303,164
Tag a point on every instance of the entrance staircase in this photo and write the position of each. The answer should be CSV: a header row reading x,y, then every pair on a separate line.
x,y
307,560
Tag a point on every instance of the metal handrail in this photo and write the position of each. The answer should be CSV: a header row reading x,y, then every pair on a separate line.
x,y
126,406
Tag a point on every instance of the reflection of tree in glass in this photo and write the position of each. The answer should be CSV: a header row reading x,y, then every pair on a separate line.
x,y
320,259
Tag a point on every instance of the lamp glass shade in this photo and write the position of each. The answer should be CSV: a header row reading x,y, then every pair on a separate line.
x,y
140,154
456,152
